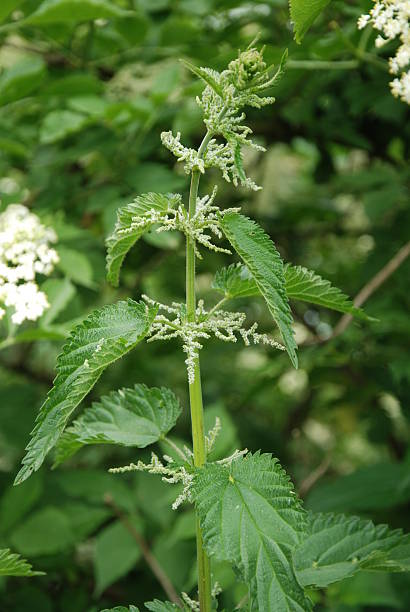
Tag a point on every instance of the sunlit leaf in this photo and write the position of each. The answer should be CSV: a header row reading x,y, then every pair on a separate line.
x,y
12,564
251,517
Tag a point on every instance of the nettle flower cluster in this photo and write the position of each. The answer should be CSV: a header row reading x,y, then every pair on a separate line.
x,y
224,325
391,18
24,252
221,102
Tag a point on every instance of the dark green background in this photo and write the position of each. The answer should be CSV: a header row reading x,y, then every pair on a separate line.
x,y
82,107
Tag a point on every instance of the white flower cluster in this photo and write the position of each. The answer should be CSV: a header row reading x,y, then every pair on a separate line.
x,y
206,218
391,18
24,252
170,474
222,324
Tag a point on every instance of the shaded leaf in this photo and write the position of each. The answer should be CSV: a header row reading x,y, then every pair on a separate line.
x,y
105,336
130,417
68,11
59,293
382,485
264,262
251,517
125,235
21,79
338,546
59,124
46,532
115,554
11,564
76,267
303,13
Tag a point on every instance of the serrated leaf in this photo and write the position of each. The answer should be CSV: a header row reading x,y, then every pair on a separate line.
x,y
338,546
209,76
235,281
160,606
68,11
130,417
263,260
307,286
300,283
250,516
11,564
105,336
303,13
125,235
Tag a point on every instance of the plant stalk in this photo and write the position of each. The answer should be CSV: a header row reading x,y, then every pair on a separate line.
x,y
195,396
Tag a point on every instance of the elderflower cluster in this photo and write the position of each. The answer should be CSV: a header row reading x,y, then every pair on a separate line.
x,y
391,18
170,474
220,323
206,219
221,102
24,252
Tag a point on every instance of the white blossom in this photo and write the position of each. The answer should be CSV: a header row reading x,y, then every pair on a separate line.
x,y
24,253
391,19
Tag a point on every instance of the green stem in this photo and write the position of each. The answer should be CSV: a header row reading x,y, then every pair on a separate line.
x,y
195,394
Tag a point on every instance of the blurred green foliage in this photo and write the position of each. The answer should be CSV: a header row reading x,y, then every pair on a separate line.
x,y
86,87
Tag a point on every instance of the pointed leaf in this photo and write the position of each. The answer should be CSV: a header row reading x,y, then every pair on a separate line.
x,y
125,234
105,336
338,546
209,76
250,516
12,564
264,262
303,13
303,284
131,417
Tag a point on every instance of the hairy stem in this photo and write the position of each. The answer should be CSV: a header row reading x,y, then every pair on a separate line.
x,y
195,395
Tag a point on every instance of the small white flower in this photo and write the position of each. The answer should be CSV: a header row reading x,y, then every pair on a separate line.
x,y
391,19
24,252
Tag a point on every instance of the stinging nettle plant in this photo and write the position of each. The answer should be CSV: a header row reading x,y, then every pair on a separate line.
x,y
247,510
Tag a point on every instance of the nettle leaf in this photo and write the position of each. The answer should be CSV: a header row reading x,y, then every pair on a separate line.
x,y
11,564
121,609
307,286
338,546
251,517
105,336
130,417
209,76
125,235
161,606
300,283
263,260
235,281
303,13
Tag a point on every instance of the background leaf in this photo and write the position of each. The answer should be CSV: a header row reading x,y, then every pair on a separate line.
x,y
303,13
